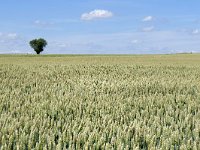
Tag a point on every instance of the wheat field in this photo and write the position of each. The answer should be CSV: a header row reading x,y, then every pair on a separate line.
x,y
100,102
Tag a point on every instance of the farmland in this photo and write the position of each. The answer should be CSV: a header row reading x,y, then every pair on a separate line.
x,y
100,102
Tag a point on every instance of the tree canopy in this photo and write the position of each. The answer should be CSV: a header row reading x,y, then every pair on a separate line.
x,y
38,45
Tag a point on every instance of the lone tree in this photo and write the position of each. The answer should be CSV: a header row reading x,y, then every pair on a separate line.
x,y
38,45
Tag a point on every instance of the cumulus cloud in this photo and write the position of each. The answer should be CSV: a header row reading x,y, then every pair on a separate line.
x,y
148,29
147,18
96,14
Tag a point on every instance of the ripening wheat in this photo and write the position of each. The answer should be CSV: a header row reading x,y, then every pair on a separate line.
x,y
104,102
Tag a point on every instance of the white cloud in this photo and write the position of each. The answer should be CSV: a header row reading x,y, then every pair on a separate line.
x,y
96,14
16,52
147,18
135,41
8,36
13,43
37,22
12,35
63,45
40,23
148,29
196,31
59,44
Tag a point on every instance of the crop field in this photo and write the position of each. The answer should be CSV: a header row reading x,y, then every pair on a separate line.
x,y
100,102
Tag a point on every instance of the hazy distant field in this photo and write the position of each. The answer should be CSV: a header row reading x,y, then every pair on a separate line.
x,y
100,102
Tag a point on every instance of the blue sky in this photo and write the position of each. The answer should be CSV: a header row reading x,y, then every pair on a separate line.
x,y
101,26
